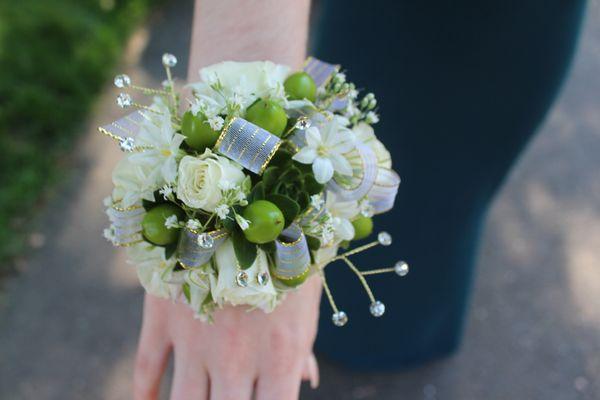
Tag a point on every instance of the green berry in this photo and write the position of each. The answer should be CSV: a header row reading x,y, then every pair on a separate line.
x,y
300,86
268,115
363,226
153,224
266,222
198,133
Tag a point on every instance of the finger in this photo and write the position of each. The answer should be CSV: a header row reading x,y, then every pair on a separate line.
x,y
311,371
280,385
231,387
151,358
190,379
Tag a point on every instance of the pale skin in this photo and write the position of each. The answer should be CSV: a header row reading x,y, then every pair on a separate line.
x,y
244,354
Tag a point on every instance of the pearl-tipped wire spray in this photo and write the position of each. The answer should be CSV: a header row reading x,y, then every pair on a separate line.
x,y
123,81
169,61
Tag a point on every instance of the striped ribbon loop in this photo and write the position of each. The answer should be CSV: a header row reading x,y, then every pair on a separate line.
x,y
293,259
385,188
189,252
359,186
126,223
128,126
249,145
321,72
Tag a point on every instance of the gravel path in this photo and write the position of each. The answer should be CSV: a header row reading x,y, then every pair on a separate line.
x,y
534,329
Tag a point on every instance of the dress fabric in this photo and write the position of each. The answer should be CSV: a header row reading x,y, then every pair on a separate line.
x,y
461,88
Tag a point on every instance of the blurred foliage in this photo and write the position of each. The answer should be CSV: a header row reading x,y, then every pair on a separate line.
x,y
55,57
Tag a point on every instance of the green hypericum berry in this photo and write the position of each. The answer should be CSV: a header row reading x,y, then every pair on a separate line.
x,y
268,115
198,133
266,222
153,224
300,86
363,227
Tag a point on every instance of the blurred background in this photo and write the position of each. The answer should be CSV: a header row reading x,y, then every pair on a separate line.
x,y
534,326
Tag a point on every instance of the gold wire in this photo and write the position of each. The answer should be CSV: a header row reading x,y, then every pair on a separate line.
x,y
377,271
148,90
146,108
327,291
355,251
361,278
171,87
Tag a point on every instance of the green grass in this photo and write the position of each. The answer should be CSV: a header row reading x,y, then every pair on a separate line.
x,y
55,56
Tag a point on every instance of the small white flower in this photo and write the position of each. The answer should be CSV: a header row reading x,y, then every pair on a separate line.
x,y
316,201
216,123
222,211
107,201
166,191
240,197
109,234
324,150
171,222
226,185
366,208
372,117
353,94
351,110
194,225
242,222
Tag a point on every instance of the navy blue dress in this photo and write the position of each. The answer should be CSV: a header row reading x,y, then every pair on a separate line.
x,y
462,86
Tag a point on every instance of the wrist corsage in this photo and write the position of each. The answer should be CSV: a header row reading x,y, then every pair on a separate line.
x,y
240,192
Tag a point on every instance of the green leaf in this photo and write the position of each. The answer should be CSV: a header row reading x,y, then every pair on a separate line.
x,y
290,175
311,185
258,193
246,184
268,247
288,207
170,249
281,158
313,243
303,200
186,291
245,252
270,176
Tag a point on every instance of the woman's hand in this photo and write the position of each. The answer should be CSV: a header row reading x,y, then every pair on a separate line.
x,y
243,353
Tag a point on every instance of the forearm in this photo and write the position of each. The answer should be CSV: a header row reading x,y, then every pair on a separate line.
x,y
248,30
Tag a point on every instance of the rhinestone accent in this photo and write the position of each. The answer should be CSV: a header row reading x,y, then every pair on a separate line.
x,y
339,318
122,81
242,279
302,123
124,100
377,308
384,238
127,144
401,268
169,60
205,241
262,278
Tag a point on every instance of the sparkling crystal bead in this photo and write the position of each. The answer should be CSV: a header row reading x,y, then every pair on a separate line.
x,y
262,278
401,268
367,210
339,318
377,308
242,279
302,123
169,60
127,144
384,238
124,100
122,81
205,240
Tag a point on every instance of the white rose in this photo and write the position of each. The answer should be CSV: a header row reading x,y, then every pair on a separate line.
x,y
154,271
224,289
199,177
247,80
134,180
364,132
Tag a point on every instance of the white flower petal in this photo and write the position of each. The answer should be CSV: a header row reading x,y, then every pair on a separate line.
x,y
323,169
313,136
306,155
340,164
